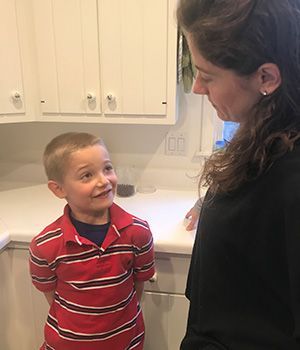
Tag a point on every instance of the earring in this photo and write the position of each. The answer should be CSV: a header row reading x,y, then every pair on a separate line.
x,y
264,93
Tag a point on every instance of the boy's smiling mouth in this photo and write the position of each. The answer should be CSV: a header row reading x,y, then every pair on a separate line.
x,y
103,194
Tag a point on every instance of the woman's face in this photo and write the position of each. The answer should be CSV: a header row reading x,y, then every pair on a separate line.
x,y
232,96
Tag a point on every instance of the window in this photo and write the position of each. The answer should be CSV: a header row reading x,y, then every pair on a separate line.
x,y
214,133
228,131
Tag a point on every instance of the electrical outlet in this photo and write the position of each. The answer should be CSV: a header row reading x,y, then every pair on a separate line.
x,y
175,144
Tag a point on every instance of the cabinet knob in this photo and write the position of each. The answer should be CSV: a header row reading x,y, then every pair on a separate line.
x,y
153,278
91,97
16,96
110,97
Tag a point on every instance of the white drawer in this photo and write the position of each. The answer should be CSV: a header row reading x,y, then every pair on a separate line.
x,y
171,273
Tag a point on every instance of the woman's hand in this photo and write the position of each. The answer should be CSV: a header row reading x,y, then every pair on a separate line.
x,y
192,215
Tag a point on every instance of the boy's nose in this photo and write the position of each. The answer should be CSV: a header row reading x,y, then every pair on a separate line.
x,y
102,180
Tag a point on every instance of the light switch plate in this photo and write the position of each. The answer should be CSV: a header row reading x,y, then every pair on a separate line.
x,y
175,144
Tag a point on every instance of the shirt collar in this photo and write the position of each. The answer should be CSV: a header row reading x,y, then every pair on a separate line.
x,y
119,218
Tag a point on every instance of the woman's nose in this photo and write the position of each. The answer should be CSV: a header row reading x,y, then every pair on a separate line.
x,y
199,88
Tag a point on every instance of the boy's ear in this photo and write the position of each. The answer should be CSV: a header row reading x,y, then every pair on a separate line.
x,y
56,188
269,78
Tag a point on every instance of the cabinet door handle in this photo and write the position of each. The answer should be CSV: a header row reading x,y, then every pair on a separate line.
x,y
91,97
153,278
111,97
16,96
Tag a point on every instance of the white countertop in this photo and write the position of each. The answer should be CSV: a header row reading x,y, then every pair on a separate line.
x,y
25,211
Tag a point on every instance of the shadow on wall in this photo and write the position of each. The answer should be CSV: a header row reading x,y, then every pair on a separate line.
x,y
26,141
141,146
19,174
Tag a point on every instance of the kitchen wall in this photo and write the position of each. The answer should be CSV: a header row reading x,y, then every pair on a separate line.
x,y
142,146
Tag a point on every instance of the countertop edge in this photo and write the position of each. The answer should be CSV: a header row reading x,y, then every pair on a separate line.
x,y
4,240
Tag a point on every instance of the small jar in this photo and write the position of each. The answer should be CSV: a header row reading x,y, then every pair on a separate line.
x,y
126,181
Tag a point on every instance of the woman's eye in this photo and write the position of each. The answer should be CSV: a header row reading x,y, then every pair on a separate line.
x,y
205,79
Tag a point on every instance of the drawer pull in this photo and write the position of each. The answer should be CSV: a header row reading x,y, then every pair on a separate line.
x,y
153,278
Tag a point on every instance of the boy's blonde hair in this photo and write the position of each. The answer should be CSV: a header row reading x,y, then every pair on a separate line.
x,y
58,151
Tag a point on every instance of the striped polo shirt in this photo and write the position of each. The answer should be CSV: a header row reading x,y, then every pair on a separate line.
x,y
95,305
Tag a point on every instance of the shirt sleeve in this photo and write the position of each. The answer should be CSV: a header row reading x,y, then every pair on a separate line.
x,y
143,265
198,204
42,275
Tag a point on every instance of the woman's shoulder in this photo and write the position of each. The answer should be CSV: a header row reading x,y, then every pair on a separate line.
x,y
287,170
290,161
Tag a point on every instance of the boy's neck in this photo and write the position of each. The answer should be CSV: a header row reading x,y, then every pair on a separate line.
x,y
99,218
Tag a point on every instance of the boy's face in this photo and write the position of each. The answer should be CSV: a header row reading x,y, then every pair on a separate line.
x,y
89,184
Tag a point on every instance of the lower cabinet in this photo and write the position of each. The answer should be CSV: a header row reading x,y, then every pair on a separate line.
x,y
23,312
24,309
165,307
165,320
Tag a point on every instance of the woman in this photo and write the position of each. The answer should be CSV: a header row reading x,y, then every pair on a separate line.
x,y
244,278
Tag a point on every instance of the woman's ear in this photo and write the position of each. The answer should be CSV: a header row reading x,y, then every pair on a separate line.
x,y
57,189
269,78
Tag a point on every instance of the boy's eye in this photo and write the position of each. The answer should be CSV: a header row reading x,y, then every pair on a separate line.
x,y
109,167
86,176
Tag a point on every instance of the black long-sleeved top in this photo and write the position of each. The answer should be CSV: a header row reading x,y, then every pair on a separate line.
x,y
244,278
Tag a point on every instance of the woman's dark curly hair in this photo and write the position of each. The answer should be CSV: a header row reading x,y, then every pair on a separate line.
x,y
241,35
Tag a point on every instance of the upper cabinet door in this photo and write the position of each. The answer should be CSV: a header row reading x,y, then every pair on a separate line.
x,y
11,81
133,42
67,53
138,59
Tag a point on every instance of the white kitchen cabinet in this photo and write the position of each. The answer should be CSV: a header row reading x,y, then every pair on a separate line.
x,y
23,309
17,329
164,304
5,287
40,312
108,61
18,78
138,59
11,82
155,311
165,318
67,54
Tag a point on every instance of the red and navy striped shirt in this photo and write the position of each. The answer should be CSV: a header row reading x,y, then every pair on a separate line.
x,y
95,305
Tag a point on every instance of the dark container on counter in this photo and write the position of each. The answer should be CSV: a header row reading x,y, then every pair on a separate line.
x,y
126,181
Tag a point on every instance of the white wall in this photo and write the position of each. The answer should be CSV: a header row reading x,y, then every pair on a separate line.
x,y
21,147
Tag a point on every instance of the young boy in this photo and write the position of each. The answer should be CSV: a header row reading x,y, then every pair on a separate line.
x,y
91,262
